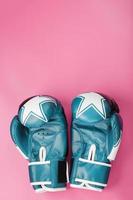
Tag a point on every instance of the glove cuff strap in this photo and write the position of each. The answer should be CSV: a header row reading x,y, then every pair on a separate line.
x,y
48,175
89,174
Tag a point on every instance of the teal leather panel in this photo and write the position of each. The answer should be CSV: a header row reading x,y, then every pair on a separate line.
x,y
46,172
39,173
19,135
84,135
115,136
90,172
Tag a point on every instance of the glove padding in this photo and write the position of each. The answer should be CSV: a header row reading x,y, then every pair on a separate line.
x,y
39,131
95,135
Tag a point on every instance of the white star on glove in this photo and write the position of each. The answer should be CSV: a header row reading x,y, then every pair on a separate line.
x,y
91,100
34,107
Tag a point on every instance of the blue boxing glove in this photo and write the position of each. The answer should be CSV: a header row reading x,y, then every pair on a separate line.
x,y
95,135
39,131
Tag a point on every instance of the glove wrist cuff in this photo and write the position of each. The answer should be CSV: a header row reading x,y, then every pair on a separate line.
x,y
89,174
48,175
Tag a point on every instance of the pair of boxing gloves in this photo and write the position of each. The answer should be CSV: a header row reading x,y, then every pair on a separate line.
x,y
39,131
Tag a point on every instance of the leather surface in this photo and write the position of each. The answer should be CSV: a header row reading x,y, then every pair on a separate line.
x,y
49,132
91,130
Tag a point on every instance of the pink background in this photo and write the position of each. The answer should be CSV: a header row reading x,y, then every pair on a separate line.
x,y
63,48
